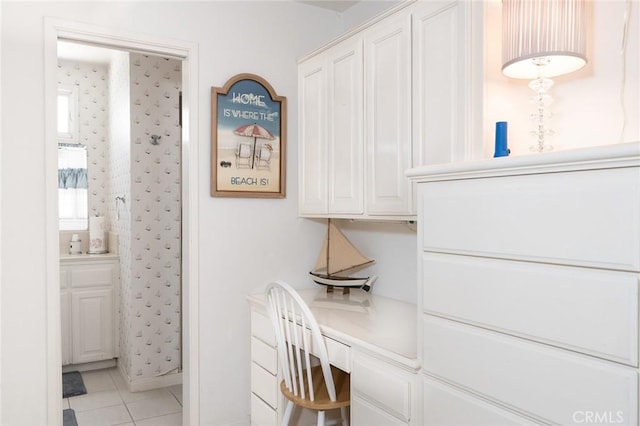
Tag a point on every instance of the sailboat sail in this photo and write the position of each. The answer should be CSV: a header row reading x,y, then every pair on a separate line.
x,y
338,254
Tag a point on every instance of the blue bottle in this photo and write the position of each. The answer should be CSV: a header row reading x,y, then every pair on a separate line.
x,y
501,140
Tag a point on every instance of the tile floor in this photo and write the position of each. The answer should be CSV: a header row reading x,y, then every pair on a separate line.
x,y
109,403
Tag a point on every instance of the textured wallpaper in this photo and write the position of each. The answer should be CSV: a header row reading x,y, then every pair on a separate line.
x,y
155,215
91,81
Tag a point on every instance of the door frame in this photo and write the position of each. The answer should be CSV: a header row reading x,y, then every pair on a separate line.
x,y
58,29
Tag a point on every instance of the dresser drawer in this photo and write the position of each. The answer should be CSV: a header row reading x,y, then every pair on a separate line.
x,y
538,380
265,385
264,355
584,218
383,385
534,300
446,406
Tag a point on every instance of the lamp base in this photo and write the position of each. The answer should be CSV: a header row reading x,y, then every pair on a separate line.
x,y
541,115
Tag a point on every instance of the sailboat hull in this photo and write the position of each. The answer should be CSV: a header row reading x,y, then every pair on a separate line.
x,y
344,282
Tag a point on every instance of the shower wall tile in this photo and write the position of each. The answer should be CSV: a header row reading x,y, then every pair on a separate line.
x,y
155,215
93,110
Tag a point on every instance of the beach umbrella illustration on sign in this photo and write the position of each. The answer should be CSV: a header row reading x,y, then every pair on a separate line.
x,y
255,131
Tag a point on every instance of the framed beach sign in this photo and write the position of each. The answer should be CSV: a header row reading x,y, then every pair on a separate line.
x,y
248,139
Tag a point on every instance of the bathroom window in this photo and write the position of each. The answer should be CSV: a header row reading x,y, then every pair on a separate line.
x,y
72,164
72,187
68,114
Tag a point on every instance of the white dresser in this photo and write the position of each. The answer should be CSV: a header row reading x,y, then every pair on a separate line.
x,y
528,288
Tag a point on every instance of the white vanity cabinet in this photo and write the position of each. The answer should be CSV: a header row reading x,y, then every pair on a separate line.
x,y
528,288
385,97
88,288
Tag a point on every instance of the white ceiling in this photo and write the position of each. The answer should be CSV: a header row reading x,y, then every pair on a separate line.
x,y
337,5
87,53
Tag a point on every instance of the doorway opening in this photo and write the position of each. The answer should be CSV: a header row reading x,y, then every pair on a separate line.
x,y
150,204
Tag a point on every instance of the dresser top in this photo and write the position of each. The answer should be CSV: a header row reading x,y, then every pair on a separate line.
x,y
592,158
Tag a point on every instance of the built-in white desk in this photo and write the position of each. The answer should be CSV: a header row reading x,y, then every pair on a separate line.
x,y
372,337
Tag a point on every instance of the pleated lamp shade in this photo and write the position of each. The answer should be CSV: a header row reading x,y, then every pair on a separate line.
x,y
552,32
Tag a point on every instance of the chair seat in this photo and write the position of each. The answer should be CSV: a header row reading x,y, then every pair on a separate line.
x,y
322,402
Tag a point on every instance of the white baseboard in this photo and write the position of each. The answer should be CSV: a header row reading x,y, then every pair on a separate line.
x,y
149,383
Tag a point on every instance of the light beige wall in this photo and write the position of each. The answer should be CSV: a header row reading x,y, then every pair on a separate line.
x,y
243,242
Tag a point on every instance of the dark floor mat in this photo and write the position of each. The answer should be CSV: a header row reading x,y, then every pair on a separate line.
x,y
69,417
72,384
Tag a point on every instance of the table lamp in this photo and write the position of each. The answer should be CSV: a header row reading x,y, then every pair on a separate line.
x,y
542,39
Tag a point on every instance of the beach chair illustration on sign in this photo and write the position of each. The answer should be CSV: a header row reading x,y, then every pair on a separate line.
x,y
243,156
263,158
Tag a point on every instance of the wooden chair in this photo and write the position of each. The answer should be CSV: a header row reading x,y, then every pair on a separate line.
x,y
317,387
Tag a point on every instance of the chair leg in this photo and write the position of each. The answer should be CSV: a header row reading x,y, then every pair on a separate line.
x,y
345,416
320,418
287,413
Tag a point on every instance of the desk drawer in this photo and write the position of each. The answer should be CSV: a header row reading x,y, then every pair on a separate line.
x,y
586,218
447,406
383,385
363,413
261,413
534,301
265,385
540,381
339,354
264,355
262,329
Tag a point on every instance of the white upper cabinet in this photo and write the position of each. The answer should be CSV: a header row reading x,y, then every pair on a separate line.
x,y
388,116
387,97
437,83
331,180
312,76
345,141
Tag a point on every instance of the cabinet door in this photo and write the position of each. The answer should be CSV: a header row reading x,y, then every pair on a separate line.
x,y
312,111
436,83
92,325
345,128
65,329
388,116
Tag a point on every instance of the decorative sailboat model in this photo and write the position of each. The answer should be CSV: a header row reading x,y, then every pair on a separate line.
x,y
338,256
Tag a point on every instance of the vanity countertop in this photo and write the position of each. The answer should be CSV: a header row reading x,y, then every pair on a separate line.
x,y
84,257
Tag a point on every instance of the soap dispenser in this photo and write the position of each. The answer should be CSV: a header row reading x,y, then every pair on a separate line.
x,y
74,244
